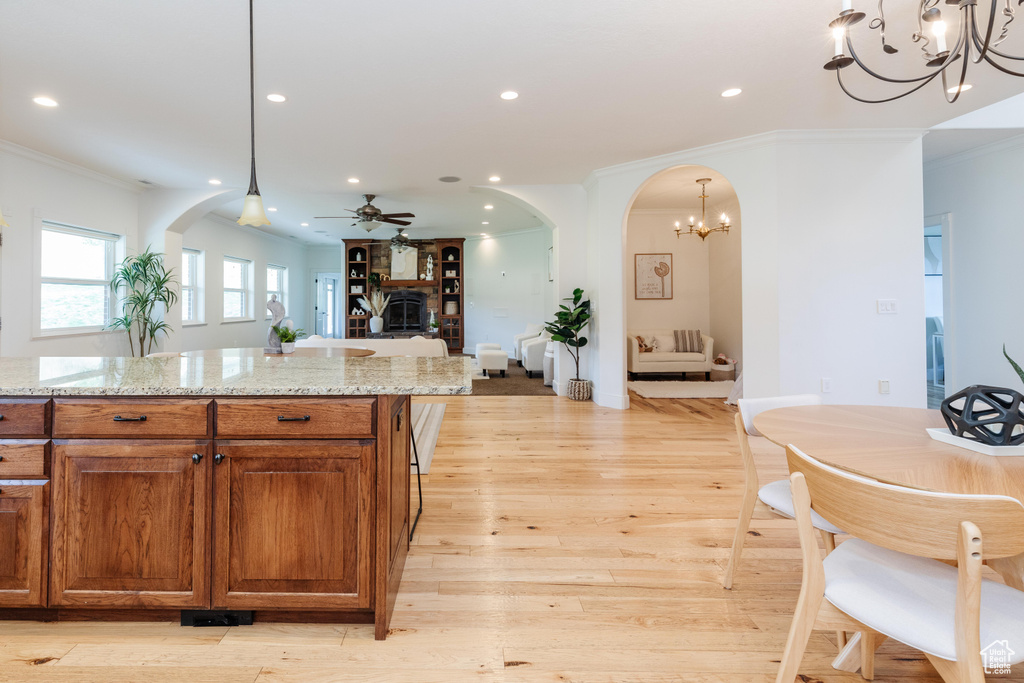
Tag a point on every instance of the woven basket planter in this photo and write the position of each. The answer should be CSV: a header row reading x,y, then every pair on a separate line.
x,y
578,390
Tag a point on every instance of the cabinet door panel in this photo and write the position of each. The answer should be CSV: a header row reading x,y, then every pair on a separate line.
x,y
24,527
293,524
131,523
393,490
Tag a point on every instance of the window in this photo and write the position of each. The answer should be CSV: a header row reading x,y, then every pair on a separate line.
x,y
236,288
277,279
75,271
191,286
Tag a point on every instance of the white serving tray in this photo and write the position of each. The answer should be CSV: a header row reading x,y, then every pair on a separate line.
x,y
942,434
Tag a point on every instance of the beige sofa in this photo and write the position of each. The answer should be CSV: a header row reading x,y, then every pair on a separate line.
x,y
661,362
417,346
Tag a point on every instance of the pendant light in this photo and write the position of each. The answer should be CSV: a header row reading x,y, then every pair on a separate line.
x,y
252,210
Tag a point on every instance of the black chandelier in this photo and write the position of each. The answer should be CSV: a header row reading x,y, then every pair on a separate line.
x,y
931,35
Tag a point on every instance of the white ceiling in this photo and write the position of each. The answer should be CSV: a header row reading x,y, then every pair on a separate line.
x,y
399,93
677,188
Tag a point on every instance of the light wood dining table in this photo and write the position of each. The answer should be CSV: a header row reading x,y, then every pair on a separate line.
x,y
891,444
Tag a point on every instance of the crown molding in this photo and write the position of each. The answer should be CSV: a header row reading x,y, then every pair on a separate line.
x,y
1009,144
54,162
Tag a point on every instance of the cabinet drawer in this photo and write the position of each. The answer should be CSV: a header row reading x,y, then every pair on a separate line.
x,y
24,418
115,418
22,459
346,418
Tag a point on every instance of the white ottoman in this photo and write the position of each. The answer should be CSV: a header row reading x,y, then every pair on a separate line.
x,y
485,346
492,360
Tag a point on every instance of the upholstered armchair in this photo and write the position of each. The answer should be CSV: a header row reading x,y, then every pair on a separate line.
x,y
533,353
532,331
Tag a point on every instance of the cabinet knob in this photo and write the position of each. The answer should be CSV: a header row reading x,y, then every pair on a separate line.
x,y
196,457
218,458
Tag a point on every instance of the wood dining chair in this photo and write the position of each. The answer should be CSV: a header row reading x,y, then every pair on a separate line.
x,y
890,581
773,500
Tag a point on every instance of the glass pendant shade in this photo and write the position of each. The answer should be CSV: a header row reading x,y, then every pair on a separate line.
x,y
370,226
252,211
3,222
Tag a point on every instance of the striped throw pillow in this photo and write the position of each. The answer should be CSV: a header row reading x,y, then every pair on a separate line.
x,y
689,341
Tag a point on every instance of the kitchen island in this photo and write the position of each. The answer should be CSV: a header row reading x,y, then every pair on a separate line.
x,y
211,488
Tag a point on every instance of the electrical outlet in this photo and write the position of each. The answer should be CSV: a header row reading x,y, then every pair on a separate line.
x,y
826,385
883,386
886,306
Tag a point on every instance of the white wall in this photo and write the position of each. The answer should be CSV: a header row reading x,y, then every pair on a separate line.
x,y
981,191
218,238
506,286
33,184
725,281
652,232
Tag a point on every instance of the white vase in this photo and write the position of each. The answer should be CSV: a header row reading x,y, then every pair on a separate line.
x,y
287,347
376,324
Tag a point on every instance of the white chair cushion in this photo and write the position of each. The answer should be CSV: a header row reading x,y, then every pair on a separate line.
x,y
913,599
778,496
671,357
750,407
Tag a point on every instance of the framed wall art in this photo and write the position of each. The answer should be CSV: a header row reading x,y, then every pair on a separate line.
x,y
653,276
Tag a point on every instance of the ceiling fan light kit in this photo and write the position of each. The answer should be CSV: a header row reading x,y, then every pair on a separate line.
x,y
252,209
931,39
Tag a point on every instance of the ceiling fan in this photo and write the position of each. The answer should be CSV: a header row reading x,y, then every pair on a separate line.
x,y
369,217
400,241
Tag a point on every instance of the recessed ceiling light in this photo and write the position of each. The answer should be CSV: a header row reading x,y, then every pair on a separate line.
x,y
488,206
486,223
483,234
214,181
274,97
271,208
305,225
45,101
449,179
495,179
964,88
353,180
509,95
731,92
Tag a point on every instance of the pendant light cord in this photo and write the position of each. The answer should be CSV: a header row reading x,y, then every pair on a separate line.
x,y
253,189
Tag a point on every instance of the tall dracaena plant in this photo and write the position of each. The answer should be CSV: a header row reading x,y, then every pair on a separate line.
x,y
143,282
568,324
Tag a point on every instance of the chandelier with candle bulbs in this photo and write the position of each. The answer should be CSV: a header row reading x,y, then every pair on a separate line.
x,y
977,37
701,229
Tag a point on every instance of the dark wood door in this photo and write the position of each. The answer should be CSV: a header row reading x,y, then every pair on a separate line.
x,y
131,523
293,524
24,537
393,479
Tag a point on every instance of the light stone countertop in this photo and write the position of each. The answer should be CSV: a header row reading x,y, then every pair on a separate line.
x,y
234,376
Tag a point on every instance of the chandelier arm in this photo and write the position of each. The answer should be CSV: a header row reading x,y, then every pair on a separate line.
x,y
925,79
992,50
963,77
972,18
839,77
1002,68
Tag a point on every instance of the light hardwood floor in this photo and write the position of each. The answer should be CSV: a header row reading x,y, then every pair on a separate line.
x,y
560,542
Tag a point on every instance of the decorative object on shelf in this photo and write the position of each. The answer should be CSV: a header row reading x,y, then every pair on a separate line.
x,y
252,209
451,257
276,309
432,323
423,276
983,36
991,415
140,283
356,289
447,290
701,229
456,286
451,307
359,256
430,265
287,336
1017,368
374,280
353,273
357,311
566,328
376,304
649,276
384,277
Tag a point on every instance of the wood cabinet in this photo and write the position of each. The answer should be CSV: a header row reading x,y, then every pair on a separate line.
x,y
450,292
357,269
24,522
393,514
130,523
293,525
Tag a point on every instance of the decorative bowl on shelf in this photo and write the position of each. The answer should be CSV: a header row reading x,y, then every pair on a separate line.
x,y
984,419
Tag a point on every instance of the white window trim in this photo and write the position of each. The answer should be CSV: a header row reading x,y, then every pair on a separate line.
x,y
283,281
37,278
199,288
247,290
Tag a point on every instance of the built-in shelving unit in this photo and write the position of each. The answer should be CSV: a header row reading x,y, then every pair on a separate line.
x,y
357,268
449,263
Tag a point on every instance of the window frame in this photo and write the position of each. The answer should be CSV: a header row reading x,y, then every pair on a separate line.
x,y
197,288
246,289
282,281
113,255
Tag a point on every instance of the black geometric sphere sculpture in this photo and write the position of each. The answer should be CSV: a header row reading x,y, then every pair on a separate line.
x,y
991,415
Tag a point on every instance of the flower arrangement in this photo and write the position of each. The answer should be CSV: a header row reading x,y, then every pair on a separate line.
x,y
376,303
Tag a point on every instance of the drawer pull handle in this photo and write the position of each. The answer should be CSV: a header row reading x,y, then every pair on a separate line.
x,y
140,418
218,459
196,457
282,418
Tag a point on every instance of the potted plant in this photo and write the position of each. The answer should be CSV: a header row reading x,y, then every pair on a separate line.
x,y
142,282
566,328
288,336
1017,368
376,304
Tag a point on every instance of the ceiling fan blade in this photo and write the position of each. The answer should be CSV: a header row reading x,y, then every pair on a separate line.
x,y
345,217
399,215
385,219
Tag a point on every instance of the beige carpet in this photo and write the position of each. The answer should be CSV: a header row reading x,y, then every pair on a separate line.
x,y
681,389
426,426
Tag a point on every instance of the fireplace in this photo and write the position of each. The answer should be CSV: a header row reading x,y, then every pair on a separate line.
x,y
406,312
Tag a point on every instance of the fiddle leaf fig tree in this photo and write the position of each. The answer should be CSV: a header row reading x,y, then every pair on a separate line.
x,y
568,324
142,282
